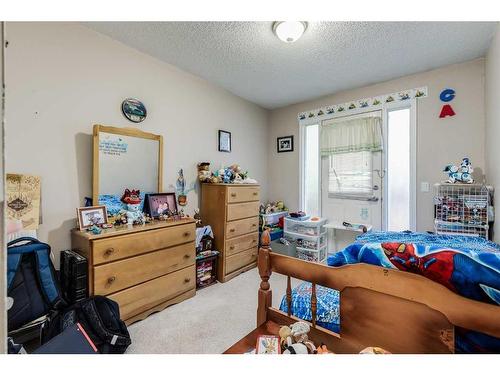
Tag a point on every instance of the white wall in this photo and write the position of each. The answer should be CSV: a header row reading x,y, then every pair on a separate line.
x,y
439,142
63,77
492,96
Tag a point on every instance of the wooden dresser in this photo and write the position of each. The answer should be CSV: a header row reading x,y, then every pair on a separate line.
x,y
233,213
143,268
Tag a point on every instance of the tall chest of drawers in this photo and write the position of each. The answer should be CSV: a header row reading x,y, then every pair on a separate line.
x,y
143,268
233,213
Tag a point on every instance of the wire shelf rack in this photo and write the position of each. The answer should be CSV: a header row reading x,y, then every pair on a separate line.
x,y
462,209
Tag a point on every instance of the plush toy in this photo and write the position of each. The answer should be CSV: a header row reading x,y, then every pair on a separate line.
x,y
204,174
285,334
323,349
300,331
297,348
461,174
132,200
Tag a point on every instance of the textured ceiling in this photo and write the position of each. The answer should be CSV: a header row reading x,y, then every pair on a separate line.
x,y
248,60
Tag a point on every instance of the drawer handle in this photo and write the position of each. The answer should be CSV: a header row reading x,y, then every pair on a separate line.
x,y
187,279
255,193
254,241
111,280
231,247
186,234
254,255
254,225
233,195
232,230
186,256
109,251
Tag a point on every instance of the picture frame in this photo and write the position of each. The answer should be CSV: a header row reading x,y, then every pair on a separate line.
x,y
160,203
224,141
268,344
284,144
88,216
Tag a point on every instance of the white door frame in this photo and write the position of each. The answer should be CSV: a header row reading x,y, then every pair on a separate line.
x,y
385,108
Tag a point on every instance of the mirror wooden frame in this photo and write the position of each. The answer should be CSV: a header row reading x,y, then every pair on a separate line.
x,y
130,132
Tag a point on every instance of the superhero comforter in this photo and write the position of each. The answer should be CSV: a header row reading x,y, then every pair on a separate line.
x,y
469,266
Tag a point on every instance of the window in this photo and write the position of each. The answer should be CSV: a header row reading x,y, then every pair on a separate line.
x,y
350,174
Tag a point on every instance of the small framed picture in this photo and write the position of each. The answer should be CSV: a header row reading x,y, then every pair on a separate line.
x,y
285,144
268,344
160,204
88,216
224,141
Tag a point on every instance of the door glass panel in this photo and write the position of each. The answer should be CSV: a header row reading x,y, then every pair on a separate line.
x,y
311,170
398,170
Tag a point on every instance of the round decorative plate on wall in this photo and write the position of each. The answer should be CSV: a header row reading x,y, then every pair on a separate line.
x,y
134,110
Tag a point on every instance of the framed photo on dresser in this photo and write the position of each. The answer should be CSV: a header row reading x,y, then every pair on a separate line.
x,y
160,204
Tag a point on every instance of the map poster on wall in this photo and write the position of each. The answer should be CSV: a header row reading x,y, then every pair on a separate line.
x,y
23,200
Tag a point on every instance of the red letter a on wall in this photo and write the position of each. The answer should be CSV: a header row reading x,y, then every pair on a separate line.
x,y
446,111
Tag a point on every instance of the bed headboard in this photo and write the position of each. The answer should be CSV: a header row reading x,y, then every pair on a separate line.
x,y
398,311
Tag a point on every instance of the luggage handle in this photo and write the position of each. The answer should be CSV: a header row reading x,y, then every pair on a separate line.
x,y
22,239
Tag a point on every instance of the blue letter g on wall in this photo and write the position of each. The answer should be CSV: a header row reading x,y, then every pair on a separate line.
x,y
447,95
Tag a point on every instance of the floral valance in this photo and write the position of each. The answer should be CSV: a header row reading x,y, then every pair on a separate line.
x,y
351,135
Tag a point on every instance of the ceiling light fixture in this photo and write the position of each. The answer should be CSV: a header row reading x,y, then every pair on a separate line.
x,y
289,31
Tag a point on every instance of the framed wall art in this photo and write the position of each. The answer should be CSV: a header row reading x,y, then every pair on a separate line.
x,y
285,144
224,141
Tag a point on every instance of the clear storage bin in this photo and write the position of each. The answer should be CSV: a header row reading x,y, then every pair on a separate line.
x,y
304,227
307,242
312,255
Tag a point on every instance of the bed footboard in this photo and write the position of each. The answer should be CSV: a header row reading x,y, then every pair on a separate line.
x,y
398,311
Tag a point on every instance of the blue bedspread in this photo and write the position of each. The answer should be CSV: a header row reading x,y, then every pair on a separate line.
x,y
469,266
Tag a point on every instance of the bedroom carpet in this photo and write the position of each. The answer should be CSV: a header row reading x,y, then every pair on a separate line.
x,y
210,322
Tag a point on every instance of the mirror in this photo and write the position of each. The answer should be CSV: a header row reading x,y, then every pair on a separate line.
x,y
125,158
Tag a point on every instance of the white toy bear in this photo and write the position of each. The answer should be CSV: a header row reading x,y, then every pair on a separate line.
x,y
461,174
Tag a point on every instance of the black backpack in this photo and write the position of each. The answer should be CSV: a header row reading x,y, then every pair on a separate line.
x,y
100,318
31,281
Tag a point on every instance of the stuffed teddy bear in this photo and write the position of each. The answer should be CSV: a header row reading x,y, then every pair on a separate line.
x,y
204,174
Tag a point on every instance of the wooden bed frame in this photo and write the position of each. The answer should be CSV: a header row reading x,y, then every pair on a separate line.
x,y
398,311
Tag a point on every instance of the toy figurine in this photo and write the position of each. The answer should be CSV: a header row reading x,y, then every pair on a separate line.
x,y
197,218
181,189
132,200
95,226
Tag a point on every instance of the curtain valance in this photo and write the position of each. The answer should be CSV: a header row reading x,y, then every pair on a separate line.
x,y
352,135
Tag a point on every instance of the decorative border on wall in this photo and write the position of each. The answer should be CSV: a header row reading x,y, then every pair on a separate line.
x,y
375,101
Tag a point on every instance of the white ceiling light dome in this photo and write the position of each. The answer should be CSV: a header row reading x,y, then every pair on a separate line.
x,y
289,31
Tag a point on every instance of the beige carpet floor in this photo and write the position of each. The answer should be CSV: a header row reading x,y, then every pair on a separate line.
x,y
210,322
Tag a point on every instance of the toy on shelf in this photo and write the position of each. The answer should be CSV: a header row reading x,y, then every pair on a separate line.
x,y
206,257
133,213
294,339
226,175
460,174
271,216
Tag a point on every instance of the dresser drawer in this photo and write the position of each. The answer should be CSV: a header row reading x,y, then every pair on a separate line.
x,y
114,276
241,243
242,194
145,296
110,249
237,261
244,226
236,211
